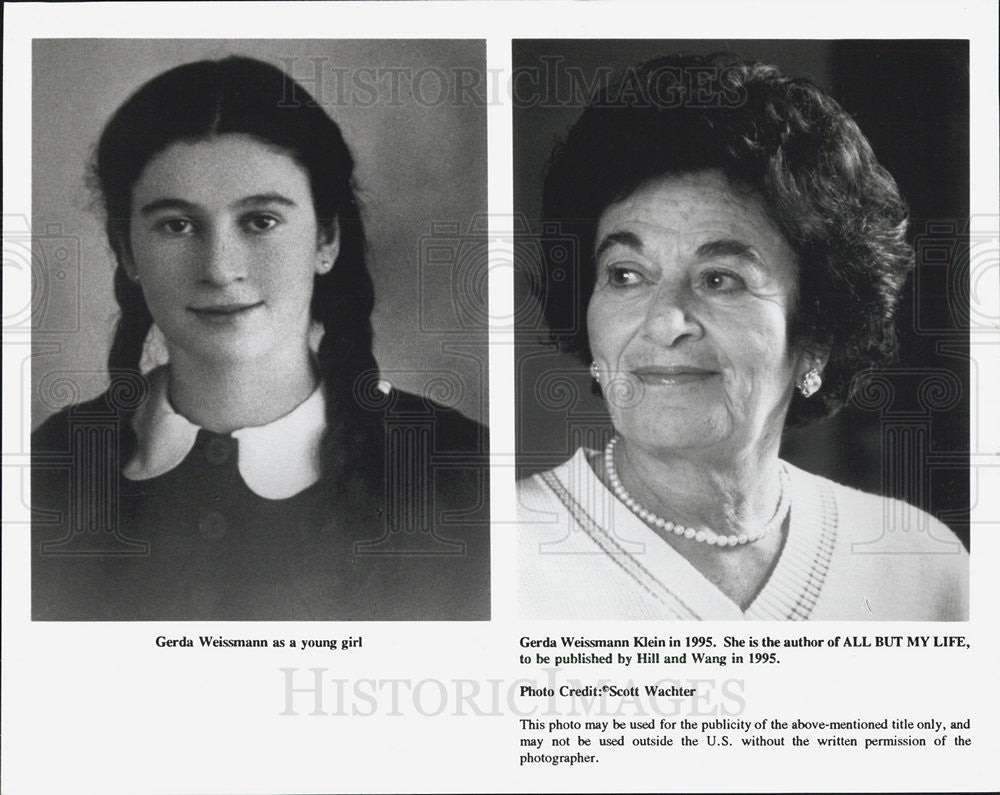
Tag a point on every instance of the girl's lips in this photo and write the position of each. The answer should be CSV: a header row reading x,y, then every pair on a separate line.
x,y
224,313
224,309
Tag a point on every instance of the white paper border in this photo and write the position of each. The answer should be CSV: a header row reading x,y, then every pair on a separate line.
x,y
97,708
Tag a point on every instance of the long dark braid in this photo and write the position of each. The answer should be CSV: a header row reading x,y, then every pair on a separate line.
x,y
131,330
352,452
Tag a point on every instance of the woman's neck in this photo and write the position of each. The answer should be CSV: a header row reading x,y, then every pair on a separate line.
x,y
739,495
224,397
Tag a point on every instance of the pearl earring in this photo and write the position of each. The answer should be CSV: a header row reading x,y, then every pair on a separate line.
x,y
810,383
594,372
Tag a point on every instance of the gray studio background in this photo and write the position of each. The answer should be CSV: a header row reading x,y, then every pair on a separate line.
x,y
417,129
909,437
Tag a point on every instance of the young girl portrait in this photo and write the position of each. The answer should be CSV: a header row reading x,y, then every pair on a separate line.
x,y
248,458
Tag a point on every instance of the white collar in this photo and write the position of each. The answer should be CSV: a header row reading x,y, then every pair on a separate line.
x,y
276,461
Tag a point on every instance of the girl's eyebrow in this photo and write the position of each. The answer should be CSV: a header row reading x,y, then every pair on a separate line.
x,y
167,204
265,198
170,203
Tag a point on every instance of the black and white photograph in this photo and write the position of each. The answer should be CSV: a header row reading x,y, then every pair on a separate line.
x,y
259,373
562,396
756,403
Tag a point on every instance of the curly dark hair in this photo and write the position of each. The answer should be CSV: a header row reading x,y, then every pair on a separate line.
x,y
237,94
781,138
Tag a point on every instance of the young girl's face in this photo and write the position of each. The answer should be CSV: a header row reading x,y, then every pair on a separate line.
x,y
225,244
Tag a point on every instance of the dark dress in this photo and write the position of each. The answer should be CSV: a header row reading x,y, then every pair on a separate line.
x,y
196,543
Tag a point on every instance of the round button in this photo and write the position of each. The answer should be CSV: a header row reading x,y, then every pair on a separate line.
x,y
218,450
213,524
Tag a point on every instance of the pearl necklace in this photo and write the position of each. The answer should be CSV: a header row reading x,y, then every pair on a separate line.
x,y
705,535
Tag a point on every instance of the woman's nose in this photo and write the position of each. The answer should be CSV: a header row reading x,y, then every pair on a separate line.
x,y
223,259
672,315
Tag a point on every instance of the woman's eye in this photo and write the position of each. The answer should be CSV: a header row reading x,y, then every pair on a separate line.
x,y
176,226
619,276
261,223
721,281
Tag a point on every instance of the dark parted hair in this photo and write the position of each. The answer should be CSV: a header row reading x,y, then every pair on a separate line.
x,y
780,138
242,95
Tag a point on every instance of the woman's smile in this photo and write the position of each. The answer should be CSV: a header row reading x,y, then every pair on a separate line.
x,y
674,375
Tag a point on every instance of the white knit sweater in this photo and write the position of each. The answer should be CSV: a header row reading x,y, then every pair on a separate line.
x,y
848,556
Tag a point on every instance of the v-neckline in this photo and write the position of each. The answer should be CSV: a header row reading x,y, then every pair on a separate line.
x,y
787,593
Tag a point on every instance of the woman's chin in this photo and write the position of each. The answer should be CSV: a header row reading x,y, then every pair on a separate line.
x,y
675,433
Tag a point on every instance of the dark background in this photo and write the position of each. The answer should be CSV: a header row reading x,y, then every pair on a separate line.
x,y
906,434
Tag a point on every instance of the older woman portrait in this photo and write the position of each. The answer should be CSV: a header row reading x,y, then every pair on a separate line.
x,y
738,256
266,469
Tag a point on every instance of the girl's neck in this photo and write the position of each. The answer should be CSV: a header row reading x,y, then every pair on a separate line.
x,y
224,397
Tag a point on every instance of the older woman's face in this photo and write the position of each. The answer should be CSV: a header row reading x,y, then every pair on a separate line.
x,y
689,316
